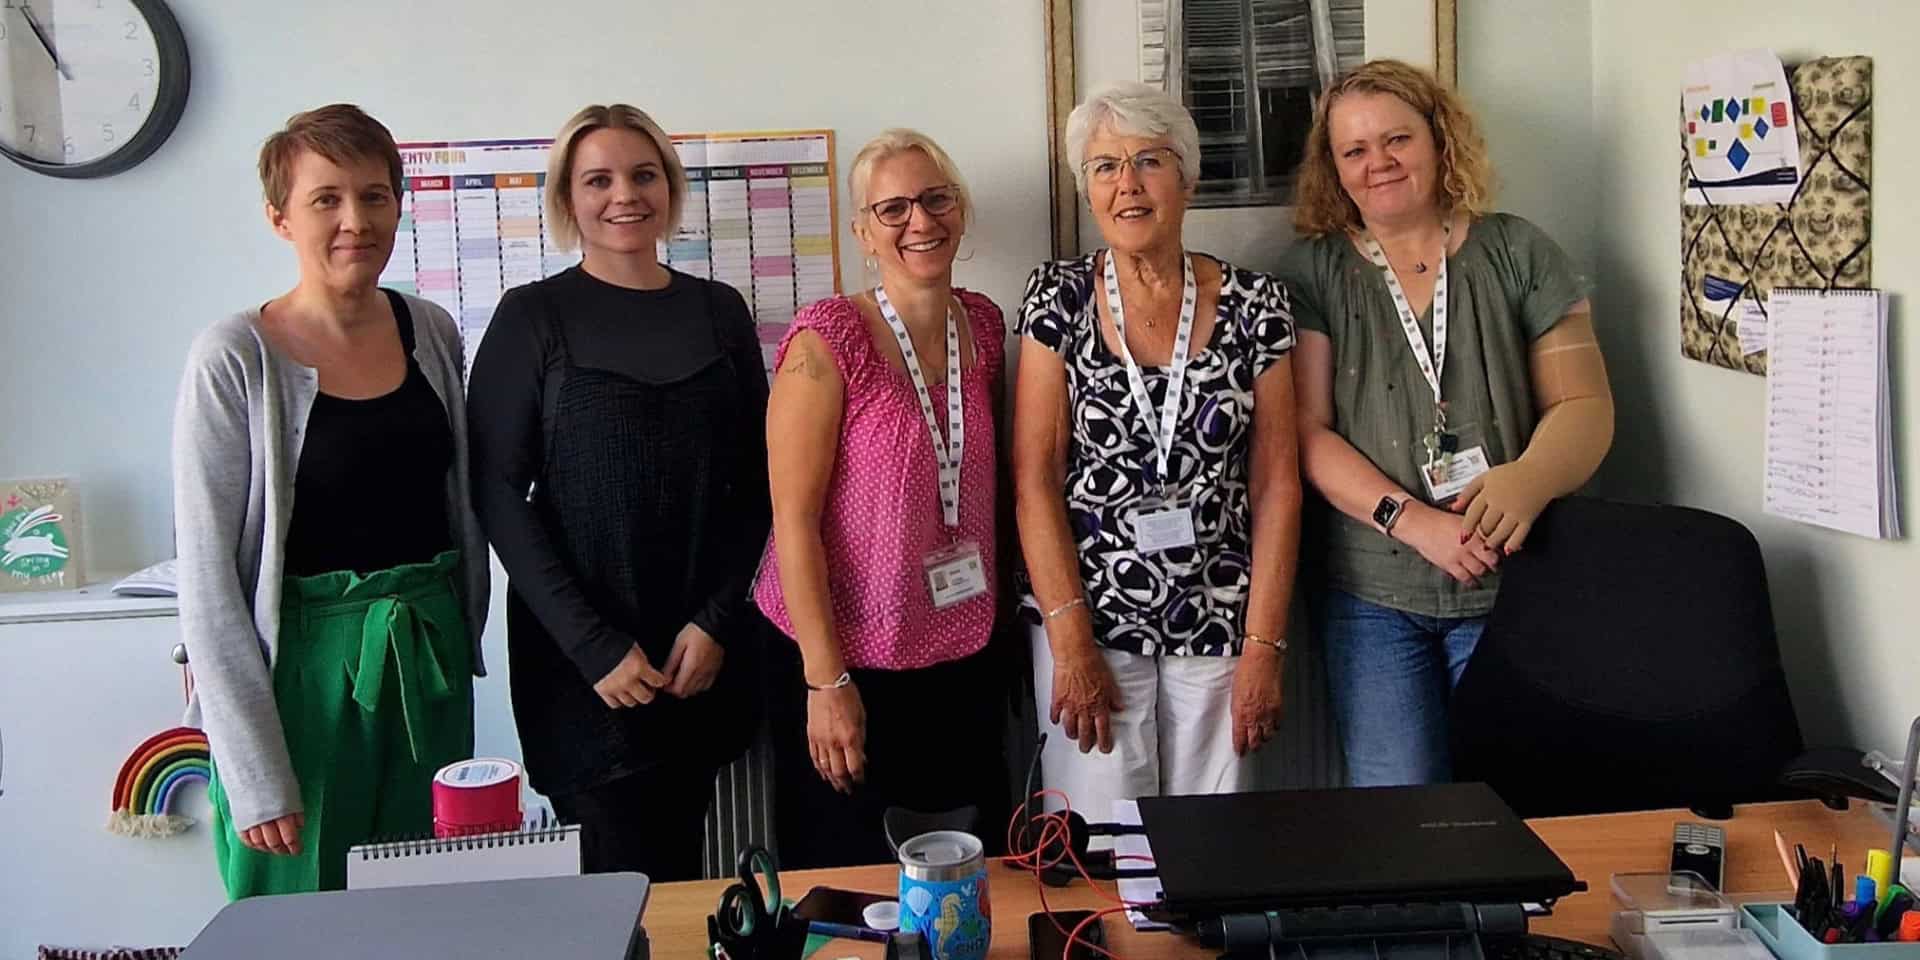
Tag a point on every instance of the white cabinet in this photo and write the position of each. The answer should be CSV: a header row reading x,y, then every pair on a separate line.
x,y
84,678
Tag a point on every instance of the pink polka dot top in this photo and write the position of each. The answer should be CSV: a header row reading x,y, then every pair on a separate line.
x,y
882,513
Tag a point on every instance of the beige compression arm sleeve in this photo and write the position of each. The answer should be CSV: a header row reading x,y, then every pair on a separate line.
x,y
1571,392
1575,402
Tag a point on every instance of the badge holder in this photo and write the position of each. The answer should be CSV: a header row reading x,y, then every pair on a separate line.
x,y
955,574
1454,457
1161,524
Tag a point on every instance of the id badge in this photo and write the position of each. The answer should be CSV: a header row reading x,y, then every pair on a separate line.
x,y
955,574
1161,526
1445,479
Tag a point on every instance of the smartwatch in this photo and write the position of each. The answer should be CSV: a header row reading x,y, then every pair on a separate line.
x,y
1388,512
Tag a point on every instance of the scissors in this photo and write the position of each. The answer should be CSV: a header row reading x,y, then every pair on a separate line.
x,y
748,921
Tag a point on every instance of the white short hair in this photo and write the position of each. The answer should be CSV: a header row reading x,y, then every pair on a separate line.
x,y
1133,110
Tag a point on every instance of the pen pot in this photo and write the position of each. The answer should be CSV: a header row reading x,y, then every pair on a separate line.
x,y
1775,925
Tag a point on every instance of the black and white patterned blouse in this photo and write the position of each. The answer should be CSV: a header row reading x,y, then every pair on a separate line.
x,y
1186,601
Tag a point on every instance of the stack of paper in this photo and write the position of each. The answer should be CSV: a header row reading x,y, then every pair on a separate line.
x,y
1829,417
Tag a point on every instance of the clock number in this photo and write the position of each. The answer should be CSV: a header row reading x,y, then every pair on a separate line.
x,y
3,30
134,104
69,146
132,29
33,132
146,64
106,131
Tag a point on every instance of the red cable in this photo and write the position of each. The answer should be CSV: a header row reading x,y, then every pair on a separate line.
x,y
1056,826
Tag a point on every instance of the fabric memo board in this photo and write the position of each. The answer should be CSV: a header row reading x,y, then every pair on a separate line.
x,y
1819,239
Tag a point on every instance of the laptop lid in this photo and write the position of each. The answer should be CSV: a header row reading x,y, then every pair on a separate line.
x,y
1299,848
594,917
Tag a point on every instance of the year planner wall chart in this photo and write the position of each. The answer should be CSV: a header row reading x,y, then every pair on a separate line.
x,y
760,217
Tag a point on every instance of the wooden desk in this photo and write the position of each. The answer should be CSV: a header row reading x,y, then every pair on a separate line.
x,y
1596,847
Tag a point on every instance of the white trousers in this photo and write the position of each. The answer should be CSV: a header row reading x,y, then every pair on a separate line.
x,y
1172,735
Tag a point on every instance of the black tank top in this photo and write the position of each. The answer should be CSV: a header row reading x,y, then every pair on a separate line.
x,y
371,489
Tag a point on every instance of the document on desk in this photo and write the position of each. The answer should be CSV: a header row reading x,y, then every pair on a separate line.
x,y
1829,449
1135,889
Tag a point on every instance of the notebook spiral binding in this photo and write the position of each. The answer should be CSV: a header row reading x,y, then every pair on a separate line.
x,y
532,833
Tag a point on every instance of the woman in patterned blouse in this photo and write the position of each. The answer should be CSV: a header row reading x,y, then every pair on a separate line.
x,y
1156,476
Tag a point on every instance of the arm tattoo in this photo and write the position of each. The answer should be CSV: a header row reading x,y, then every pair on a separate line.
x,y
803,362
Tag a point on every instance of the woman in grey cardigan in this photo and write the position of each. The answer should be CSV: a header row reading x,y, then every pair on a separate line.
x,y
333,580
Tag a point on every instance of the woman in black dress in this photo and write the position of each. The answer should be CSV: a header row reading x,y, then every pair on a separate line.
x,y
619,466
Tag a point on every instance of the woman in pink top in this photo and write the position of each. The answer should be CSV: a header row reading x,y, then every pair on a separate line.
x,y
882,568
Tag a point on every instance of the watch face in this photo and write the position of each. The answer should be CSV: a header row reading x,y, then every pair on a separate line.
x,y
87,84
1386,511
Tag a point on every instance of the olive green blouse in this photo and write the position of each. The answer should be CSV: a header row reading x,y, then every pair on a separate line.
x,y
1507,285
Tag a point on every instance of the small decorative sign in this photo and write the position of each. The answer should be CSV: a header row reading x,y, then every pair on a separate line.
x,y
39,536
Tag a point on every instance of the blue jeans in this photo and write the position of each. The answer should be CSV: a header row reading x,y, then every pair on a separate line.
x,y
1390,674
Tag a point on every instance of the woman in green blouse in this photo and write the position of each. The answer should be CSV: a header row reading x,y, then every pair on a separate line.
x,y
1449,387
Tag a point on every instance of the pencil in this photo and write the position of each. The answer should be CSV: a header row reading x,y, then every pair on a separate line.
x,y
1786,861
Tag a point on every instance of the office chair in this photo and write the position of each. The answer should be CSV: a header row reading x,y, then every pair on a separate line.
x,y
1630,663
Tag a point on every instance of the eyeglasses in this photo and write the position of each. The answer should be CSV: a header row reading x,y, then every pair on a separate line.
x,y
896,211
1147,164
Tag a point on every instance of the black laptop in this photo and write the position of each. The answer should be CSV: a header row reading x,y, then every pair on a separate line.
x,y
1444,843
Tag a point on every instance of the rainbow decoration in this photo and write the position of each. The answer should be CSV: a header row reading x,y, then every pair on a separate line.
x,y
149,783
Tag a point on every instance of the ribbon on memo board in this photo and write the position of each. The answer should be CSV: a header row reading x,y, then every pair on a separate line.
x,y
1732,256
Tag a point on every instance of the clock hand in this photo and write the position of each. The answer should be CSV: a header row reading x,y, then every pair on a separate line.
x,y
45,43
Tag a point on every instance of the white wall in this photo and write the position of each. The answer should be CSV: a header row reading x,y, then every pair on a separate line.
x,y
1526,71
103,283
1692,432
1603,180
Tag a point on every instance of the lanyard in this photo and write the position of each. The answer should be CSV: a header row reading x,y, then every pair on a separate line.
x,y
1431,364
1177,373
946,452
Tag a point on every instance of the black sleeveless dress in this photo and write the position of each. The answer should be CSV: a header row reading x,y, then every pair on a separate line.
x,y
647,494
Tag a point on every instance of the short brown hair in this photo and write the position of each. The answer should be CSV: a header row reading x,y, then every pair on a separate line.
x,y
340,132
618,116
1321,206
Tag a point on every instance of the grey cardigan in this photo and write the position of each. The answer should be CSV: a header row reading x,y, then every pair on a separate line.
x,y
237,428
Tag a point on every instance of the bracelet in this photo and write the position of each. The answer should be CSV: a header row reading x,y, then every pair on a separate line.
x,y
845,679
1278,644
1069,605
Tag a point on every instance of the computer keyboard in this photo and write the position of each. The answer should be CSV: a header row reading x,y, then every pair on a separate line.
x,y
1539,946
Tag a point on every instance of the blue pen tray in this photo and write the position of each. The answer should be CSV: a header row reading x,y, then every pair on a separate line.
x,y
1774,924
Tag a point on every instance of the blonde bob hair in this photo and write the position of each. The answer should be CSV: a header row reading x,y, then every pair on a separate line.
x,y
899,140
1321,204
612,116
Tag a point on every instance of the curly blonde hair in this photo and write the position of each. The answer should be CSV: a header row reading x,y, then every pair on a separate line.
x,y
1321,204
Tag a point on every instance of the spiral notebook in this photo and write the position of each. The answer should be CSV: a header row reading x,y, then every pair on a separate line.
x,y
1829,457
535,850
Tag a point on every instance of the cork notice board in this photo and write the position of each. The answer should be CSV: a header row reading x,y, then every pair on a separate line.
x,y
1733,255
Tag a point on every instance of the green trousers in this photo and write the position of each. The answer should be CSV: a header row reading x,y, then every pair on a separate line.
x,y
374,683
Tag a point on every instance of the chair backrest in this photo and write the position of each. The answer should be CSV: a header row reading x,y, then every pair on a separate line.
x,y
1630,663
